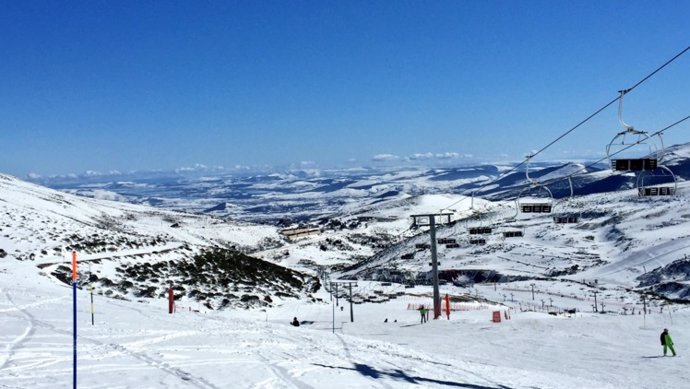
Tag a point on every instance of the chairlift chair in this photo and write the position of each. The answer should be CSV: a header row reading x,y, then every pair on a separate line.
x,y
648,183
568,211
505,225
527,202
541,199
478,224
513,234
625,140
567,217
649,168
510,230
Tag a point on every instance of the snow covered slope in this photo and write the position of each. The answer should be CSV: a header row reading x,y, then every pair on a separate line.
x,y
617,238
135,251
138,345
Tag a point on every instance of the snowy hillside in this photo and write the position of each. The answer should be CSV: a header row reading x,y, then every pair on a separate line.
x,y
138,252
614,239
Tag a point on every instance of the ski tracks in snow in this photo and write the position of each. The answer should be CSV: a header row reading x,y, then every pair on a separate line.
x,y
281,374
164,366
17,343
23,337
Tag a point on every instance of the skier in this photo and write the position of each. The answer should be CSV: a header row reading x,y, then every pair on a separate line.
x,y
295,322
422,311
667,342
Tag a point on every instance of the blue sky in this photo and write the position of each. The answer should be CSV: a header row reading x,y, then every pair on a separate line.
x,y
124,85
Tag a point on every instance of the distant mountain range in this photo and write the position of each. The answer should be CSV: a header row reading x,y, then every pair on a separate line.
x,y
302,195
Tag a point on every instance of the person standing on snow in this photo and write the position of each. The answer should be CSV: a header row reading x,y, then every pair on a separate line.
x,y
666,341
422,311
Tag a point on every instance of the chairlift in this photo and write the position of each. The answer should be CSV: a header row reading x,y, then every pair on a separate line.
x,y
568,211
513,234
649,169
511,230
648,183
567,218
480,230
477,224
625,140
535,198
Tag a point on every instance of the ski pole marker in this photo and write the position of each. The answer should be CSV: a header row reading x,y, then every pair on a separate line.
x,y
74,266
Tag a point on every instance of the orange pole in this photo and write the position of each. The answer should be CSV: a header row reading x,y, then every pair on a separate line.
x,y
447,306
74,266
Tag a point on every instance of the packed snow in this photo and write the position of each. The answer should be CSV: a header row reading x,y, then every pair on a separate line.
x,y
140,345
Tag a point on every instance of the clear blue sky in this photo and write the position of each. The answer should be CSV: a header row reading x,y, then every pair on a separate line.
x,y
138,85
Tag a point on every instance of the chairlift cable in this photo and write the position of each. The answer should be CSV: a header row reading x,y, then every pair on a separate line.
x,y
658,69
584,169
588,118
617,152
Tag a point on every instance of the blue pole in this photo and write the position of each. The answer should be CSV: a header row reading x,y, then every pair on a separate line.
x,y
74,317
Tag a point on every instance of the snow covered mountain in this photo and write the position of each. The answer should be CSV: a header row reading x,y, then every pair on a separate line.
x,y
612,239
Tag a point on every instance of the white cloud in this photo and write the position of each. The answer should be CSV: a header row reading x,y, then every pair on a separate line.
x,y
448,155
427,156
385,157
420,156
199,167
445,155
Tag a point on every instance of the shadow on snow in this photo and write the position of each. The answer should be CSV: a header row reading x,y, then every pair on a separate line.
x,y
397,374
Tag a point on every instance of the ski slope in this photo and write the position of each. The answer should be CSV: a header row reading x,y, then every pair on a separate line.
x,y
139,345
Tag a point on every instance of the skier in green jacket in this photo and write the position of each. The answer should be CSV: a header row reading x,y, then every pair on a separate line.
x,y
422,312
666,341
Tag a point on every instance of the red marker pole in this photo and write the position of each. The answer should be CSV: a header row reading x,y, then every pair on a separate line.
x,y
447,306
74,317
171,301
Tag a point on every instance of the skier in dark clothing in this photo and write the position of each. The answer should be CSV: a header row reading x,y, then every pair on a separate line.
x,y
295,322
666,341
